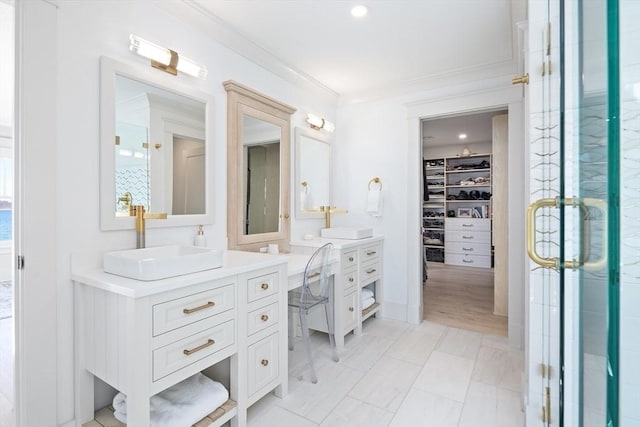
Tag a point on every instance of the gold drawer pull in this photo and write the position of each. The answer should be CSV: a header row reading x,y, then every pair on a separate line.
x,y
467,225
372,270
467,237
468,261
209,343
264,317
350,259
371,253
264,286
202,307
468,249
351,279
350,308
264,362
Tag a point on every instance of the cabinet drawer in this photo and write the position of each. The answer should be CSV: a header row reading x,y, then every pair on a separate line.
x,y
348,259
471,248
262,286
349,311
468,236
476,224
369,272
263,360
262,318
468,260
349,282
186,351
180,312
370,253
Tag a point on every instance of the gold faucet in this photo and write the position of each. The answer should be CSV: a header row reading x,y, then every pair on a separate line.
x,y
139,213
126,199
328,210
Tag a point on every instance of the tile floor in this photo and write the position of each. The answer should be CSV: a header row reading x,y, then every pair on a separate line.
x,y
400,375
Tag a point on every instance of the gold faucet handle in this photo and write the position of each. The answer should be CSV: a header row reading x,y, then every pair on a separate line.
x,y
159,215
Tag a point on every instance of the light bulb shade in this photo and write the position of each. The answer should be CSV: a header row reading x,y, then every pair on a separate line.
x,y
318,123
166,59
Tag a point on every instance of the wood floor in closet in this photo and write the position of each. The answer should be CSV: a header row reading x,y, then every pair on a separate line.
x,y
462,297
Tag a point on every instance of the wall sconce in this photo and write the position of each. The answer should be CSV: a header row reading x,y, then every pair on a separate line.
x,y
166,59
320,123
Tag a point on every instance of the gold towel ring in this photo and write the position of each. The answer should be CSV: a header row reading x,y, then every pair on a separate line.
x,y
305,185
375,180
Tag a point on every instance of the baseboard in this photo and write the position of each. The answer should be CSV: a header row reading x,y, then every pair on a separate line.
x,y
71,423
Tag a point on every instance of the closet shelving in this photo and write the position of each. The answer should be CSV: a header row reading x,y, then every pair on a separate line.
x,y
458,187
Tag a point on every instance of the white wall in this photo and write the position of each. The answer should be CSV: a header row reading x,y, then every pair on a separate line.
x,y
85,31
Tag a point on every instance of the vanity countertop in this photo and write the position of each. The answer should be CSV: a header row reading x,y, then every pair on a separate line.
x,y
337,243
234,262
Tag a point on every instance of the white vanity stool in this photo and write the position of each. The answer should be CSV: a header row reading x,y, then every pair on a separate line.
x,y
359,267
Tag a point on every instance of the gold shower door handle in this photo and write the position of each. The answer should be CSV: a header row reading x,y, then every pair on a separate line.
x,y
554,263
531,233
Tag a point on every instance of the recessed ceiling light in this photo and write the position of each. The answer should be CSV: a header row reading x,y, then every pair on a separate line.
x,y
462,136
359,11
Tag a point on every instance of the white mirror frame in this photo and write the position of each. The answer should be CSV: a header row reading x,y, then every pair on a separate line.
x,y
109,68
320,137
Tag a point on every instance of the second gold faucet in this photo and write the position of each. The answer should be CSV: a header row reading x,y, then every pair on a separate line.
x,y
141,216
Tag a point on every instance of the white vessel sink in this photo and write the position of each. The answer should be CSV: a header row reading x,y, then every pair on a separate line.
x,y
349,233
161,262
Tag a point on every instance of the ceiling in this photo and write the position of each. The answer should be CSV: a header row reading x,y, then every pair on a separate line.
x,y
400,45
445,131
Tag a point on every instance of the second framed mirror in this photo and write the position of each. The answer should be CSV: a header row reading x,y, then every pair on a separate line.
x,y
258,141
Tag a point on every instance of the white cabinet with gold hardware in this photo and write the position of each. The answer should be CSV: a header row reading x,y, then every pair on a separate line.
x,y
141,337
468,242
360,266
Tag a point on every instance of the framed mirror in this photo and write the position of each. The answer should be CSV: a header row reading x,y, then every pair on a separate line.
x,y
312,172
258,140
156,147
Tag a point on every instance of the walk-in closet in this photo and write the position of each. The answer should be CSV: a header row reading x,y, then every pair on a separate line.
x,y
464,220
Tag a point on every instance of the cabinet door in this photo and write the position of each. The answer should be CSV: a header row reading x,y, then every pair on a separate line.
x,y
349,311
262,363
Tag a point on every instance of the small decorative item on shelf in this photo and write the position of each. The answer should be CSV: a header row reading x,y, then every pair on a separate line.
x,y
464,212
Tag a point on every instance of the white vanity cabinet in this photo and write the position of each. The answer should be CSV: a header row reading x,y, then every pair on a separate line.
x,y
360,266
143,337
468,242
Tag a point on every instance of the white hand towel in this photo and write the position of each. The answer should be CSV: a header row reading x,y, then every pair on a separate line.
x,y
368,303
366,294
182,404
374,202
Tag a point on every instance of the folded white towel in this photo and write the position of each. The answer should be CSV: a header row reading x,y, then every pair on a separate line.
x,y
182,404
374,202
366,294
368,303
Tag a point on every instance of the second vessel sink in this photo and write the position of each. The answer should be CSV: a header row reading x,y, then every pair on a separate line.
x,y
161,262
350,233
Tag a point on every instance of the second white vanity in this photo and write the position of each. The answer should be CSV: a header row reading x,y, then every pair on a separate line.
x,y
360,268
143,337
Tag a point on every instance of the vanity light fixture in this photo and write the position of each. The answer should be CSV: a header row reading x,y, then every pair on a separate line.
x,y
166,59
318,123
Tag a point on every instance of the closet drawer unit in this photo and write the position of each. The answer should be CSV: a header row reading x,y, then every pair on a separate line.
x,y
262,286
262,363
471,248
369,272
262,318
467,237
181,353
183,311
348,260
349,282
483,261
349,311
467,224
370,253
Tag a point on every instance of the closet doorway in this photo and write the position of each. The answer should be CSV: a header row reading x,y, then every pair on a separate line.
x,y
464,221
